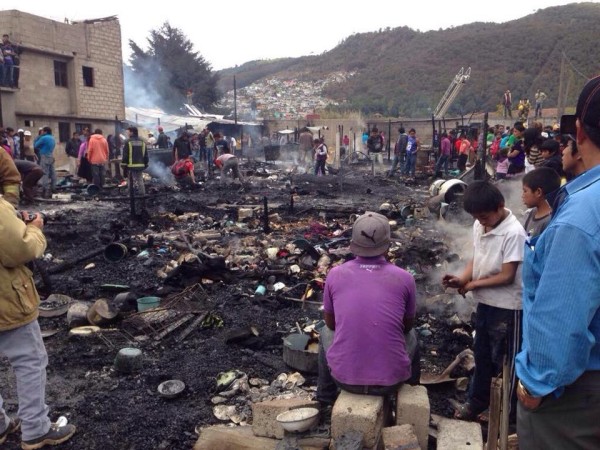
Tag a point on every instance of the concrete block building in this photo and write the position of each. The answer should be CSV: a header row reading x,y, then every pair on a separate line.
x,y
70,75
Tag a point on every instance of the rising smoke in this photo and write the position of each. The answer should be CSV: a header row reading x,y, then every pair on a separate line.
x,y
161,172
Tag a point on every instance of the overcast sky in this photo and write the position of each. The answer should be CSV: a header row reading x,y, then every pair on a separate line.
x,y
232,32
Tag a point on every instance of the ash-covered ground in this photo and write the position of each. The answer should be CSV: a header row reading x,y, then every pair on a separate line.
x,y
124,411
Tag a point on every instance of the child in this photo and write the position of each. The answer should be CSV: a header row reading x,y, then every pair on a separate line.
x,y
495,146
494,276
537,184
502,166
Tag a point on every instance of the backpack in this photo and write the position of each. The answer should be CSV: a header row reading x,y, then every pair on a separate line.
x,y
178,169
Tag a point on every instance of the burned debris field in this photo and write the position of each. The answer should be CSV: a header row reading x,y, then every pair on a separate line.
x,y
228,286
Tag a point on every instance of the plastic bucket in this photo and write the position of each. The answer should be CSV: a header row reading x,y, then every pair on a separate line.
x,y
145,303
115,252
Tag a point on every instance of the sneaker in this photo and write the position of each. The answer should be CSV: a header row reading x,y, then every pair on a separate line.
x,y
123,183
55,435
13,427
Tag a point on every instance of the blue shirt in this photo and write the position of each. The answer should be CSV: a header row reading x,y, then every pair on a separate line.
x,y
561,292
45,144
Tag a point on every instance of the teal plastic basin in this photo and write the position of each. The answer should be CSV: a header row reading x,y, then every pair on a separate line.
x,y
145,303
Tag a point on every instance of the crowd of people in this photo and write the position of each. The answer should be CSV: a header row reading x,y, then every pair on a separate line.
x,y
535,284
524,105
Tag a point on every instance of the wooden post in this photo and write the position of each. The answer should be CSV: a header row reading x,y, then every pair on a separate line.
x,y
494,420
505,406
336,161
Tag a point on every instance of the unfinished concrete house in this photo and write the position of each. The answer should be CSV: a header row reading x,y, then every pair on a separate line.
x,y
69,75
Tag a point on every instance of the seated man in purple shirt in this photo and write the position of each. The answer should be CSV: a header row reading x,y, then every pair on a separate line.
x,y
370,304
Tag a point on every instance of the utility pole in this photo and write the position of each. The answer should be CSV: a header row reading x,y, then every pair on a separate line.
x,y
560,104
234,100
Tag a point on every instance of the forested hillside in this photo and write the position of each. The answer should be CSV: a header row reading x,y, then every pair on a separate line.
x,y
404,72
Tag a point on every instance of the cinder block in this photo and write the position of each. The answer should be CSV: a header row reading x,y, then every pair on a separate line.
x,y
459,435
412,408
361,413
264,415
400,437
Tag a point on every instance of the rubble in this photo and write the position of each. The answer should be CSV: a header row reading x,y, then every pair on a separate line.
x,y
231,291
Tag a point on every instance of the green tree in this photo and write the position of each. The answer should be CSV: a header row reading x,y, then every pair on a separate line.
x,y
173,71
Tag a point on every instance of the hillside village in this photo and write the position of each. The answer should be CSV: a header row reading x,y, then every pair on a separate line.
x,y
283,98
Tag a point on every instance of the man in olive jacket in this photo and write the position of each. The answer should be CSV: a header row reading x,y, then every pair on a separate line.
x,y
20,337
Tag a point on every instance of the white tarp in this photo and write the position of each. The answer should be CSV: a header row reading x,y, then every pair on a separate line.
x,y
149,118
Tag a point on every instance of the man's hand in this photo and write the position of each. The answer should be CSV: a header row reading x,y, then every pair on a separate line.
x,y
527,400
36,222
452,281
470,286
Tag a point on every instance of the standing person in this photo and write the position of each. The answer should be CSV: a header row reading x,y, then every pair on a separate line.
x,y
151,140
162,141
399,150
72,151
540,97
182,147
8,52
493,275
516,154
84,168
97,155
202,146
375,146
45,144
559,364
346,145
537,185
445,150
507,104
20,336
412,147
10,140
306,145
10,179
572,163
463,152
135,159
210,150
27,151
551,156
503,164
368,350
320,156
233,145
221,145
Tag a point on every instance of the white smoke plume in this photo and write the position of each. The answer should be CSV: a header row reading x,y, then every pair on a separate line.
x,y
161,172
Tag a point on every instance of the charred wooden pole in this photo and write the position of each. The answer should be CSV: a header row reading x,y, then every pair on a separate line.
x,y
266,227
480,164
131,193
432,131
389,139
234,101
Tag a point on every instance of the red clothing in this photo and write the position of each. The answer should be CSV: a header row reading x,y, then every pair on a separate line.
x,y
97,149
182,168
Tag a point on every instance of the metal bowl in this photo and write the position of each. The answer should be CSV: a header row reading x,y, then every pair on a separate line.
x,y
55,305
298,420
171,388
